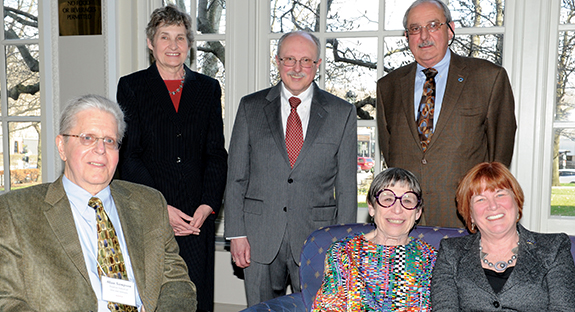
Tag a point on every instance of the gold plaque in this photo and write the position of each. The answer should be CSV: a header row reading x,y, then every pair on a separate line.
x,y
80,17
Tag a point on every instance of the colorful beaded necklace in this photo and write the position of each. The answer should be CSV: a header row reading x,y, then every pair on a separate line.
x,y
181,85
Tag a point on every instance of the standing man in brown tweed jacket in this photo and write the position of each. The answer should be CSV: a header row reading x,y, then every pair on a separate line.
x,y
474,118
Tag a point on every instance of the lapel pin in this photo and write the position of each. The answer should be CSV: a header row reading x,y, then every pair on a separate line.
x,y
460,79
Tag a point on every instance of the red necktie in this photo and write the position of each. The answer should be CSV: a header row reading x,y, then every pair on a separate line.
x,y
426,108
294,131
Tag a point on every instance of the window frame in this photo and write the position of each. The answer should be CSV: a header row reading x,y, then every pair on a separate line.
x,y
6,119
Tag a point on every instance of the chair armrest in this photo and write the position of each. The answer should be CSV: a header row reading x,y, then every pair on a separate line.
x,y
292,302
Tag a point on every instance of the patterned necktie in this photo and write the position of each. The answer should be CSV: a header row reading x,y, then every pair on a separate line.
x,y
294,131
110,258
426,108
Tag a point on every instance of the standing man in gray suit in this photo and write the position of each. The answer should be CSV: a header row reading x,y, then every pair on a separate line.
x,y
472,119
277,193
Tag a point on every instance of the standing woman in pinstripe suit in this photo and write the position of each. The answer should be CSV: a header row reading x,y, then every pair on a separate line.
x,y
175,143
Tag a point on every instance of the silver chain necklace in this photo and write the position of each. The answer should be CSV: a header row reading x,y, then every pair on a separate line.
x,y
499,266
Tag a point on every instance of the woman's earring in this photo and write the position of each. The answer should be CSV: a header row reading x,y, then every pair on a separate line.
x,y
472,226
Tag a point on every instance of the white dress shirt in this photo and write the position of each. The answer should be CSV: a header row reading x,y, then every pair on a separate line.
x,y
303,109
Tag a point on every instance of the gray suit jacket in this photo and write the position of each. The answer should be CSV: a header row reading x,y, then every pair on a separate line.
x,y
265,196
42,266
543,278
476,124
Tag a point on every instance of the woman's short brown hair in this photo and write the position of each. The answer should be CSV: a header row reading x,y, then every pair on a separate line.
x,y
167,16
495,176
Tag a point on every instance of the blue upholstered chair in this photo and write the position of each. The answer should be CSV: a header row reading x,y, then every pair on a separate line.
x,y
313,256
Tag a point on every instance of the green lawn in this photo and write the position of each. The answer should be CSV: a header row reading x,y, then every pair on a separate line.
x,y
563,200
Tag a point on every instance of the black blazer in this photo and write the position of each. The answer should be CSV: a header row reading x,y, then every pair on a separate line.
x,y
181,154
543,278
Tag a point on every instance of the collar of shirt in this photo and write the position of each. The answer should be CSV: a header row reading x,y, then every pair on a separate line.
x,y
303,109
440,82
85,221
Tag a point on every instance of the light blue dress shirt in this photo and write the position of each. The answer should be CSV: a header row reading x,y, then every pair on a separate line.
x,y
85,220
440,82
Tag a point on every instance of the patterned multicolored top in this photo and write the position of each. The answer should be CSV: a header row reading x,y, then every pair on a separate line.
x,y
363,276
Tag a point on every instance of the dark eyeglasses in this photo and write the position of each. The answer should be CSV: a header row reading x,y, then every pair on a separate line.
x,y
386,198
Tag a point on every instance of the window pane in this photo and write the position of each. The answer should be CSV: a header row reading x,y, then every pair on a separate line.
x,y
210,61
477,13
211,16
25,160
23,80
567,10
489,47
274,73
287,15
396,54
365,162
351,72
21,19
565,95
344,15
183,5
563,173
211,58
394,12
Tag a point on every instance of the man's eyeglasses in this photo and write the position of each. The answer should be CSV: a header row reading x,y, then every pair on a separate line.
x,y
431,27
303,62
386,198
91,139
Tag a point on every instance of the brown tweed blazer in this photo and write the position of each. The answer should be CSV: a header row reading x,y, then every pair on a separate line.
x,y
476,124
41,263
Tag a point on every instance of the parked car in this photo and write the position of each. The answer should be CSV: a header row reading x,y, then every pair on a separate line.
x,y
566,175
364,164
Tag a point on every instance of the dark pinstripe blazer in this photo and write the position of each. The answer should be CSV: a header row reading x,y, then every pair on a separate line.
x,y
543,278
180,154
264,195
43,268
476,124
